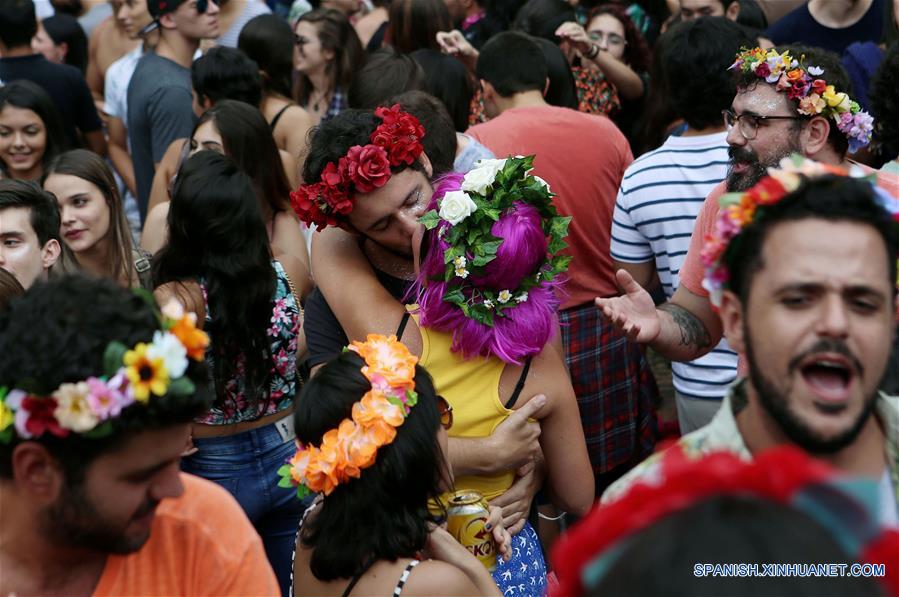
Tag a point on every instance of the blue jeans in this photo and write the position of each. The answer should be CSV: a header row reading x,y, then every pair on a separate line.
x,y
246,464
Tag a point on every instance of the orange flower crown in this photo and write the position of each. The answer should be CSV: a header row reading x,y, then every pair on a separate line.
x,y
353,445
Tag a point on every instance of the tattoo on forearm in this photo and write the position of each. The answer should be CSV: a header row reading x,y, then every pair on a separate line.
x,y
692,330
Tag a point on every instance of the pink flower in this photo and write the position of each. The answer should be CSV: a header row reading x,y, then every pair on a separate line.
x,y
105,399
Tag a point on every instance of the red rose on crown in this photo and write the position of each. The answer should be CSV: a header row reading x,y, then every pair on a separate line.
x,y
400,135
368,167
42,417
819,86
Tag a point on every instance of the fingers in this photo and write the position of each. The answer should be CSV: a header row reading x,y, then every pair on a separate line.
x,y
526,469
627,282
530,408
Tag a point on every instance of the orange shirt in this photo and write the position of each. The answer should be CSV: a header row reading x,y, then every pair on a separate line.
x,y
583,158
200,544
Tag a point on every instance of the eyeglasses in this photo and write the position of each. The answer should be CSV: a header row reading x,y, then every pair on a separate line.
x,y
446,412
749,123
612,39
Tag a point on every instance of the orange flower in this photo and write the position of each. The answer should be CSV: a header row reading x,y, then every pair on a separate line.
x,y
375,407
389,358
193,339
795,75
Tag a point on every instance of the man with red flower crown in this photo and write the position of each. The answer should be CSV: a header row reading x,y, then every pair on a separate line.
x,y
802,267
367,174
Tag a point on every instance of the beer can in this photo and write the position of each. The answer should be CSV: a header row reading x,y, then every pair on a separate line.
x,y
466,520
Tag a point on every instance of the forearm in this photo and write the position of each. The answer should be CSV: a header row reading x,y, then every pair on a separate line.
x,y
623,77
683,336
122,163
474,456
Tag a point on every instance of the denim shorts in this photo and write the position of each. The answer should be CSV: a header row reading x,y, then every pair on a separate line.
x,y
246,464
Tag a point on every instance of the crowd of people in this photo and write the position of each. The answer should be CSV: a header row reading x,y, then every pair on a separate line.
x,y
278,277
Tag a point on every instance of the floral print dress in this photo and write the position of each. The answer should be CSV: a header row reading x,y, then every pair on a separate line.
x,y
234,406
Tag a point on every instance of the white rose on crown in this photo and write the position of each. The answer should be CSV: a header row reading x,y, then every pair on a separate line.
x,y
456,206
482,176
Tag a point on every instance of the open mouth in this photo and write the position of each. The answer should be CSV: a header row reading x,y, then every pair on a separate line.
x,y
830,378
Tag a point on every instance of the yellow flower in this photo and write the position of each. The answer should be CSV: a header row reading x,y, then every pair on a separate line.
x,y
834,99
146,375
6,416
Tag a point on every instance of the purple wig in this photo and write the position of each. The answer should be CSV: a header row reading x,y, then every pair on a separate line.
x,y
526,327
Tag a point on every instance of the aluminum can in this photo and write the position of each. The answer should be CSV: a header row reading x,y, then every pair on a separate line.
x,y
466,520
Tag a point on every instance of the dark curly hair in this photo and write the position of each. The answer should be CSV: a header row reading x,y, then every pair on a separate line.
x,y
711,42
332,139
885,103
636,52
58,333
831,198
382,515
834,74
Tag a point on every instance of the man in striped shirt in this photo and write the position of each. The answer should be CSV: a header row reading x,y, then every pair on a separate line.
x,y
663,191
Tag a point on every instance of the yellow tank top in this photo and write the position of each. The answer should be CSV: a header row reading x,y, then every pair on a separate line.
x,y
471,387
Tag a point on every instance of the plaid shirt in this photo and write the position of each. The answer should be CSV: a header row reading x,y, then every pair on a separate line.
x,y
615,390
337,104
722,434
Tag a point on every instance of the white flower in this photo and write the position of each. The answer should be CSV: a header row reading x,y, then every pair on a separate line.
x,y
461,272
544,183
456,206
504,296
815,71
168,347
73,410
173,310
488,303
482,176
460,262
522,297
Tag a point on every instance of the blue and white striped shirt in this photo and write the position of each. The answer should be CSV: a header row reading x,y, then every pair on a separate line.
x,y
660,196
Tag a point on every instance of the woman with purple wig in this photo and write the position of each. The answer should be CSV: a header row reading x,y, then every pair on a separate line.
x,y
488,278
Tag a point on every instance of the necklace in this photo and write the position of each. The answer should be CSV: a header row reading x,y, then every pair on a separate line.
x,y
315,103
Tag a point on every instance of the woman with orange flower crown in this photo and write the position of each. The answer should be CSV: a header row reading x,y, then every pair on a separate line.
x,y
372,440
218,264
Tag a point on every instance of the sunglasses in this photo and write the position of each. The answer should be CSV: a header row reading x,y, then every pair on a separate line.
x,y
446,412
203,5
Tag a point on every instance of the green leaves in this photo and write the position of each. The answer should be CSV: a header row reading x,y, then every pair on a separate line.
x,y
182,386
104,429
430,220
113,357
286,479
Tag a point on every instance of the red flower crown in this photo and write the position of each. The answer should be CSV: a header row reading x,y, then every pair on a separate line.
x,y
396,141
778,475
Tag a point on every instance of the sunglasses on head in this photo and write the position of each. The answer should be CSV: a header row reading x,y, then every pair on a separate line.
x,y
446,412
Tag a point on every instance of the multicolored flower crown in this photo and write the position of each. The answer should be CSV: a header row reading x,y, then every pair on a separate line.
x,y
396,141
353,445
88,407
739,210
815,96
783,475
465,219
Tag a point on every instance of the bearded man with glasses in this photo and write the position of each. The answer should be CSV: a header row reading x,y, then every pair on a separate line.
x,y
808,112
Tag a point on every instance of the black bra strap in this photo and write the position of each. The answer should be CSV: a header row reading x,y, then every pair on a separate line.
x,y
356,578
520,385
402,328
277,117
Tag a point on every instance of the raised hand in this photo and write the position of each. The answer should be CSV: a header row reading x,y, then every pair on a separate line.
x,y
634,313
575,35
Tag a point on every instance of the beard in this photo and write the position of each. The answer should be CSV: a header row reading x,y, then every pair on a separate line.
x,y
756,169
776,402
74,521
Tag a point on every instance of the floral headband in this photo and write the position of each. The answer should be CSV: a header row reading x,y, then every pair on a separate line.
x,y
815,96
738,211
353,445
783,475
396,141
88,407
465,219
